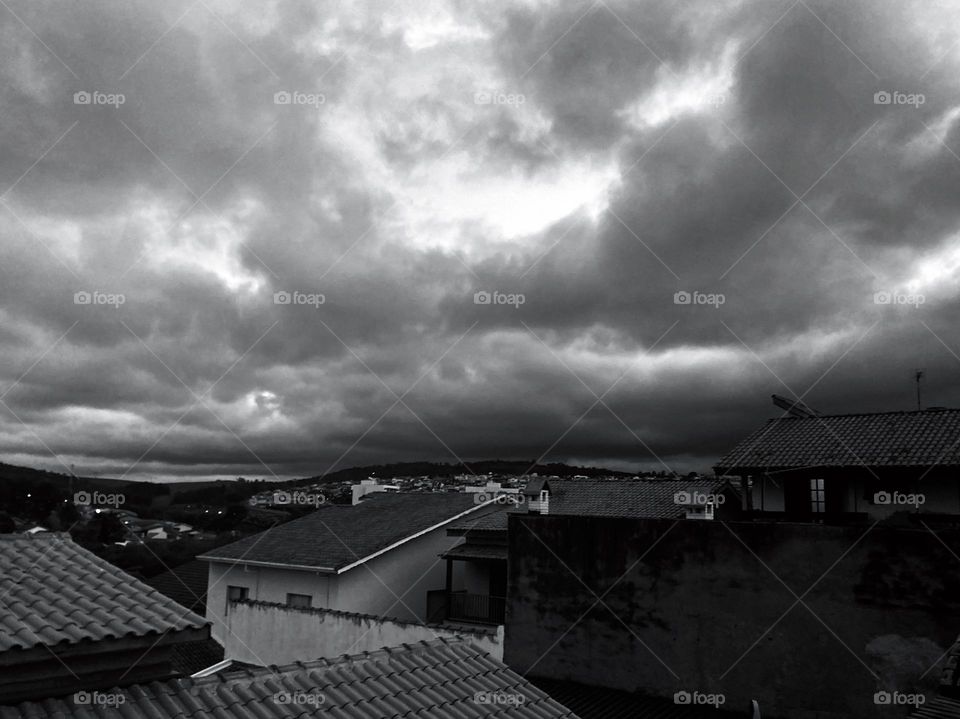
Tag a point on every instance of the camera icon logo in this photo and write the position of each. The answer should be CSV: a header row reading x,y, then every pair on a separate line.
x,y
282,298
682,697
883,698
682,498
281,98
81,698
82,499
81,98
82,298
882,498
682,297
482,298
882,98
282,498
482,98
883,297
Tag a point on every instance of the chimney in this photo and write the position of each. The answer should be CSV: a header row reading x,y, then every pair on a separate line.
x,y
537,496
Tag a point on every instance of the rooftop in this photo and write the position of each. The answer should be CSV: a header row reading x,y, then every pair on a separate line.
x,y
884,439
185,584
639,499
440,679
336,536
55,592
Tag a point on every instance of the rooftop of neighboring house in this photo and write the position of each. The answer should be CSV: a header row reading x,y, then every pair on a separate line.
x,y
335,537
185,584
55,593
440,679
920,438
643,499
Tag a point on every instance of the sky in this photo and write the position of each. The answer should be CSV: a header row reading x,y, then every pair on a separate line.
x,y
282,238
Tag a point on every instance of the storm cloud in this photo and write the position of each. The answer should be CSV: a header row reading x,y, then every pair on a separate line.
x,y
249,240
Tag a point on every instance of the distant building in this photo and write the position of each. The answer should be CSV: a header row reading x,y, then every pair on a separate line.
x,y
850,467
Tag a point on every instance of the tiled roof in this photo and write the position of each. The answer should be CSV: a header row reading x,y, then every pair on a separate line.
x,y
938,708
190,657
53,591
643,499
337,535
185,584
888,439
600,703
439,679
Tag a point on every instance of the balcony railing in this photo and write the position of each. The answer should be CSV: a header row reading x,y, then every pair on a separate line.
x,y
464,607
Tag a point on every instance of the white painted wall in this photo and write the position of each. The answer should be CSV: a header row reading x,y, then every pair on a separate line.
x,y
406,572
269,634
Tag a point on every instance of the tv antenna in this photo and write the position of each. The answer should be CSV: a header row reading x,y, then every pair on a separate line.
x,y
917,376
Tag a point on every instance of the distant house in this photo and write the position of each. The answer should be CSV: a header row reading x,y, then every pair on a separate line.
x,y
439,679
850,466
72,621
377,557
476,590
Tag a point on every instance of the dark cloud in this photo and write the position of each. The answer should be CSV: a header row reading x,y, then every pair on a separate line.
x,y
655,149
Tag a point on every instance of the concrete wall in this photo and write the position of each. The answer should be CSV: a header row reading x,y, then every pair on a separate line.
x,y
274,634
406,572
701,613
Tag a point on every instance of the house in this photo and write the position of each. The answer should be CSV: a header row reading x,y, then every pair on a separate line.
x,y
377,557
475,586
849,467
72,621
439,679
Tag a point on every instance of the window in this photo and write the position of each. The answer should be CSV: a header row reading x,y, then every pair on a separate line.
x,y
235,594
299,600
816,496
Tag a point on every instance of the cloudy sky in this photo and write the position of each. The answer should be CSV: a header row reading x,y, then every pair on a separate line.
x,y
172,173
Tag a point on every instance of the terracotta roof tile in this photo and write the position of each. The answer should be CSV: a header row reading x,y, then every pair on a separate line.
x,y
887,439
53,591
337,535
642,499
439,679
